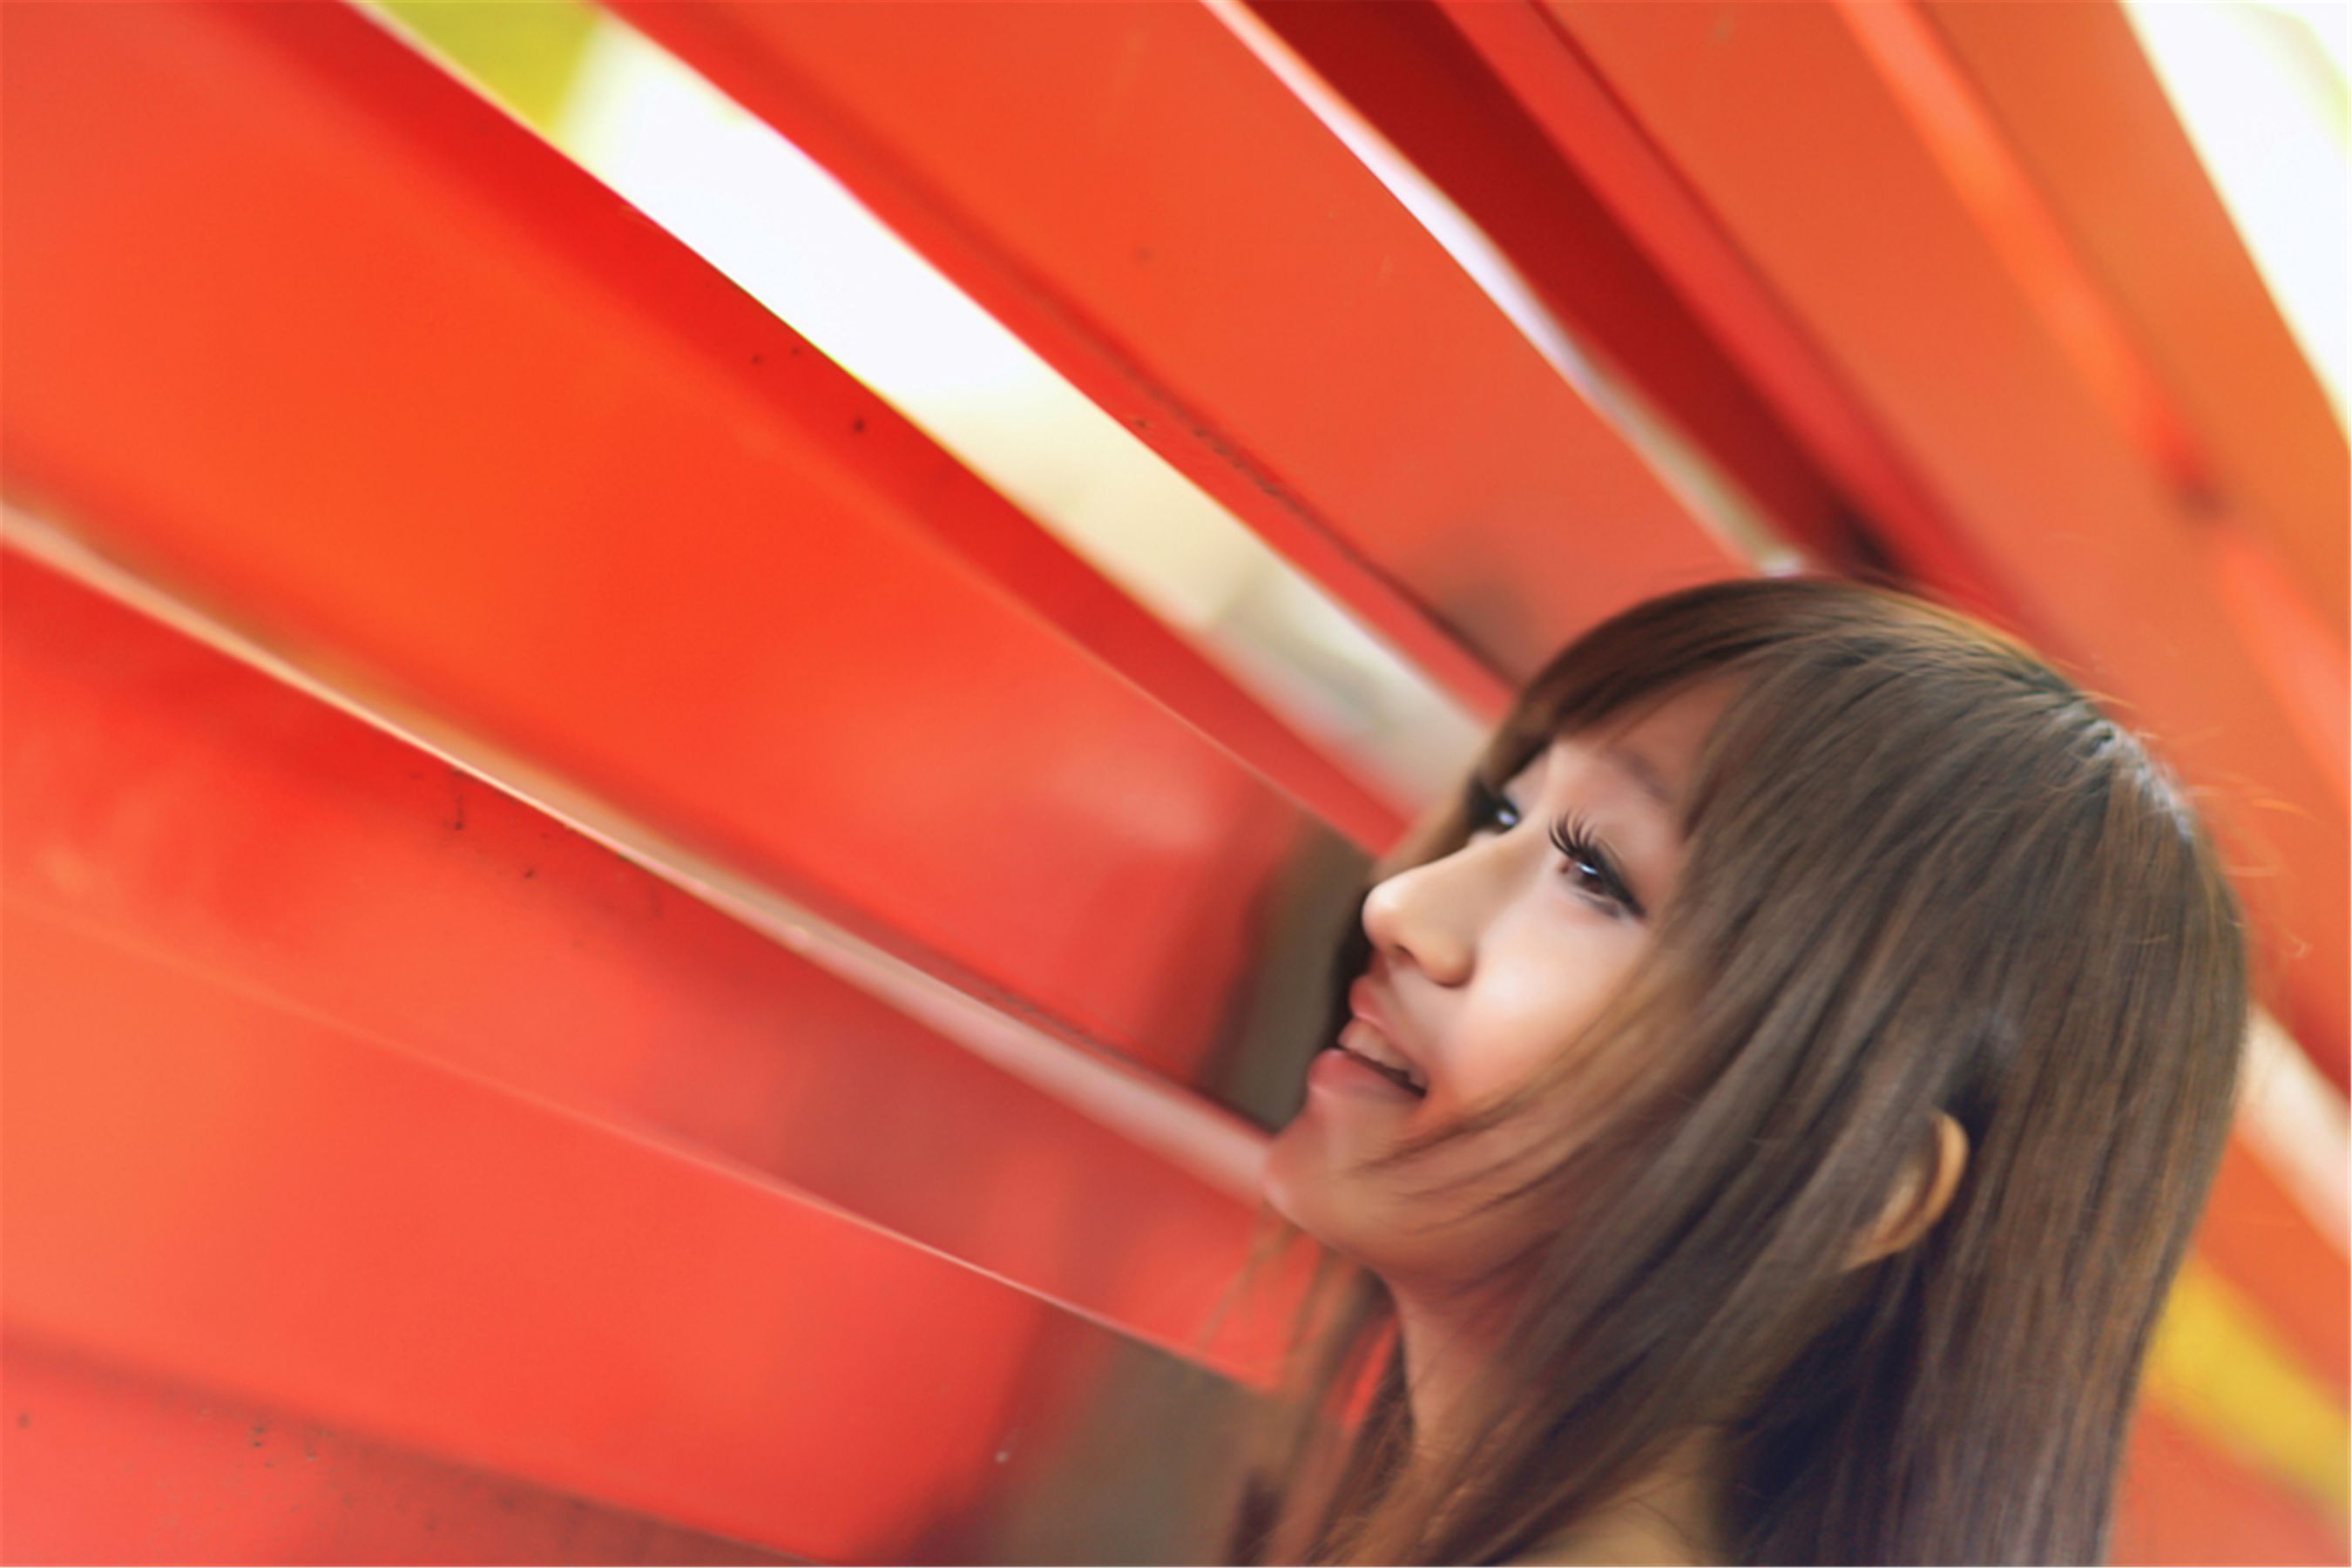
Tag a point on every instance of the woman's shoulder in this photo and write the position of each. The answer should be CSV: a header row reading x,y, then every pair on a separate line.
x,y
1627,1545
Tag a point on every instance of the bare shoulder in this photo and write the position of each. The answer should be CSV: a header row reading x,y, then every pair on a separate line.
x,y
1625,1547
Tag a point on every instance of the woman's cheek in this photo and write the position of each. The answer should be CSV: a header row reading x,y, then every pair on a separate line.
x,y
1506,1050
1525,1013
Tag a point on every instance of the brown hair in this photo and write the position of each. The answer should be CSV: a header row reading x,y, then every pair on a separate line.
x,y
1922,872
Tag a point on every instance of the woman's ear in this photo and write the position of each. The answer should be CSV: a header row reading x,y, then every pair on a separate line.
x,y
1922,1193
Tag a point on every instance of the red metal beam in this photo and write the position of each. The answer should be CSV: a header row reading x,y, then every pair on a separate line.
x,y
1413,75
2256,1237
241,1196
2085,116
185,805
1294,341
1604,145
335,348
222,1480
2296,647
2182,1503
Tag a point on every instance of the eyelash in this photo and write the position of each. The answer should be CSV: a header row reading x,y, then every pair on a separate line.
x,y
1486,806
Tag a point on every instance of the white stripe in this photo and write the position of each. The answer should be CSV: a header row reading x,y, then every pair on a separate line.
x,y
2293,1121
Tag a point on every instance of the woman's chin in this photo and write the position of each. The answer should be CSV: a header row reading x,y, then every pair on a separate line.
x,y
1284,1176
1297,1182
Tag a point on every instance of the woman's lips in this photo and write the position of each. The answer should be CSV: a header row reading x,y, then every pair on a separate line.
x,y
1363,1000
1343,1070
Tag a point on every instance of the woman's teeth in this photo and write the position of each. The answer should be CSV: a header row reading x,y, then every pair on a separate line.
x,y
1400,1077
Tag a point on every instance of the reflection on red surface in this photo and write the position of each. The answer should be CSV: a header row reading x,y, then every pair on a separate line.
x,y
268,1204
2079,103
1293,340
222,1481
185,805
1952,122
641,539
2183,1503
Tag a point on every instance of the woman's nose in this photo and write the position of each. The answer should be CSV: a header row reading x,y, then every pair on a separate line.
x,y
1427,914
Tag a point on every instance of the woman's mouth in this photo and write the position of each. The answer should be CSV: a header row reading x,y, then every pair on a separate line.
x,y
1362,1042
1366,1037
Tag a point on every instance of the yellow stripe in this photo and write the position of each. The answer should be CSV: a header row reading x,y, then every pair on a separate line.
x,y
525,56
2216,1366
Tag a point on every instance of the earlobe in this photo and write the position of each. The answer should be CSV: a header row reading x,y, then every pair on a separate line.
x,y
1922,1193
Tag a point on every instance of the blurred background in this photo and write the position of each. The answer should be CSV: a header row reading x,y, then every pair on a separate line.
x,y
690,690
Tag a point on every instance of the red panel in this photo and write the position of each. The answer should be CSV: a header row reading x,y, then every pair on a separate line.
x,y
530,466
1783,126
101,1465
242,1196
1977,163
2256,1236
1605,146
1148,205
2074,93
187,805
2182,1503
2299,654
1405,67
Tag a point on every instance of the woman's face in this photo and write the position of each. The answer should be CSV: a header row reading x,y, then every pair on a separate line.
x,y
1486,964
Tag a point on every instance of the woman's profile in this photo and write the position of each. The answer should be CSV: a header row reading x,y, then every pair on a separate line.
x,y
1763,1115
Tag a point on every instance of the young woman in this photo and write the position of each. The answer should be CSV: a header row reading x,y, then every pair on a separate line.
x,y
1765,1111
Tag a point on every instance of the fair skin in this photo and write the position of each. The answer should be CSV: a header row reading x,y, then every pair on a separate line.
x,y
1483,963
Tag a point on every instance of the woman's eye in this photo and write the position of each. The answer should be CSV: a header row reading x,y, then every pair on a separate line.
x,y
1591,870
1588,878
1488,810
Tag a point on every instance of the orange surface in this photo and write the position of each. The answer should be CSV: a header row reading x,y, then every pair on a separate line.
x,y
182,804
534,469
223,1480
1293,340
1403,66
2256,1235
2180,1502
1558,87
2086,115
261,1202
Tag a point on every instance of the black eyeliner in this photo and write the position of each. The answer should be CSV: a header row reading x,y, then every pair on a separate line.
x,y
1573,839
1483,802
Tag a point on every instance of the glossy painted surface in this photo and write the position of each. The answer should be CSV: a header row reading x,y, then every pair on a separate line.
x,y
1292,340
1414,75
2076,99
373,1157
1556,85
2184,1503
274,1205
618,544
223,1480
184,805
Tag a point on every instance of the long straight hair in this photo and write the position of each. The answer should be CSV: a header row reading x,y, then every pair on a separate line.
x,y
1922,872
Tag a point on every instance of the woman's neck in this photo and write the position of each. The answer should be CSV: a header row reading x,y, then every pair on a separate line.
x,y
1670,1514
1447,1342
